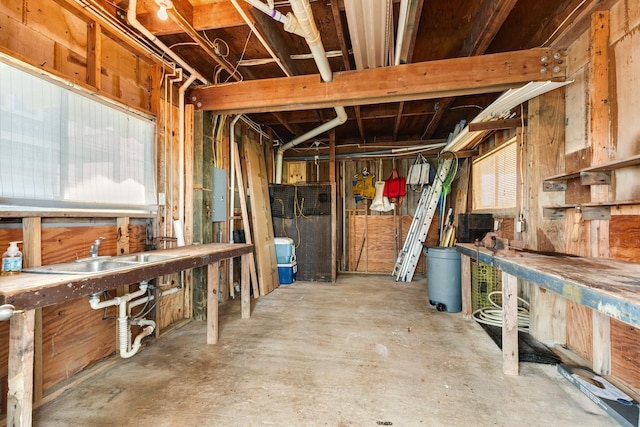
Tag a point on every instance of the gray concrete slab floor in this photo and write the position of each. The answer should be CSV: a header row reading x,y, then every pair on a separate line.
x,y
364,351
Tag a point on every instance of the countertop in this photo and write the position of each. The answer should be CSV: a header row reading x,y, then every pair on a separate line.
x,y
607,285
32,290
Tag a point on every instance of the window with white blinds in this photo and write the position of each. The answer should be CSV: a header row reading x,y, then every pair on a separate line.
x,y
63,149
495,178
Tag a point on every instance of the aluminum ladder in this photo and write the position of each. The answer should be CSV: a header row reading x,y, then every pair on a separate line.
x,y
408,257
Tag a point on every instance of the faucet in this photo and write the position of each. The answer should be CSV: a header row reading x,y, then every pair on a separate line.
x,y
94,248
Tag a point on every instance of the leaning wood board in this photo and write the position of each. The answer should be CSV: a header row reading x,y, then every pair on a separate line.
x,y
263,236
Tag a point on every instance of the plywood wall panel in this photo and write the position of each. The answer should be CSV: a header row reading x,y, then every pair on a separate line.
x,y
74,336
25,43
625,364
624,237
379,252
63,244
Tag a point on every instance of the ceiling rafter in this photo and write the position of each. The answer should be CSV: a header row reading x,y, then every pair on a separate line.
x,y
486,25
413,26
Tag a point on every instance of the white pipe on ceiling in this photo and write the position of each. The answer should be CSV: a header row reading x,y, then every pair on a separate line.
x,y
133,21
302,23
264,43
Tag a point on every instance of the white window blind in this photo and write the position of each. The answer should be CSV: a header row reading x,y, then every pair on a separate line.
x,y
63,149
495,178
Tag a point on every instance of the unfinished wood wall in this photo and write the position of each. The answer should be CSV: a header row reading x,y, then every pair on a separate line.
x,y
600,126
60,38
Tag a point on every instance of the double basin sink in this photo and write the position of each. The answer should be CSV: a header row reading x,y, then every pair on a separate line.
x,y
101,264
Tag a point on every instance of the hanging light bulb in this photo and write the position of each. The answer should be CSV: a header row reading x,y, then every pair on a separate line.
x,y
163,5
162,13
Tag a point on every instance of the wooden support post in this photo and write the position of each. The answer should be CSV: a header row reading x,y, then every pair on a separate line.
x,y
601,151
509,324
20,395
212,302
334,205
465,277
32,253
246,261
547,322
601,343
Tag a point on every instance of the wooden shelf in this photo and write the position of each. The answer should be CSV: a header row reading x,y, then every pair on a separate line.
x,y
590,210
593,175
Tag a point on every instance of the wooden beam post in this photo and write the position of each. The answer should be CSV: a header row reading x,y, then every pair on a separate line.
x,y
465,277
20,395
509,324
32,257
601,149
245,262
94,55
212,303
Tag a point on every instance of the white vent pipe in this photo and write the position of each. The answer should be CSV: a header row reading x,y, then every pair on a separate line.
x,y
302,23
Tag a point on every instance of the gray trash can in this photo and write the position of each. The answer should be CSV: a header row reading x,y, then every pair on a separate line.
x,y
443,278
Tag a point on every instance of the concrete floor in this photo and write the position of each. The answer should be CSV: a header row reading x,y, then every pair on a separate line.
x,y
365,351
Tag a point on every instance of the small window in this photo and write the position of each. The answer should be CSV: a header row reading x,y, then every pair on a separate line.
x,y
495,179
62,149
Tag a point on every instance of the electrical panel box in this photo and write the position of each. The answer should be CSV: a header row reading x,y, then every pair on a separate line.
x,y
219,199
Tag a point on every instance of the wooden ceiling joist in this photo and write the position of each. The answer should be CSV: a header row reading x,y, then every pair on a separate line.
x,y
426,80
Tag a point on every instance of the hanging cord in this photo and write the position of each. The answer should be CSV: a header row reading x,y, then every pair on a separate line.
x,y
446,185
493,315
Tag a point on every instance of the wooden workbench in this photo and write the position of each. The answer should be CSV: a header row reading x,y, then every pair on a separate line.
x,y
611,288
28,291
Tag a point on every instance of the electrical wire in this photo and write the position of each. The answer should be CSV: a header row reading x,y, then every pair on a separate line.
x,y
493,315
244,50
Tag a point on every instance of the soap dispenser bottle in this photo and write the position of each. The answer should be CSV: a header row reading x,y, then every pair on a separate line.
x,y
12,260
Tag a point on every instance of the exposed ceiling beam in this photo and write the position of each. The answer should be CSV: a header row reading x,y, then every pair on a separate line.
x,y
293,128
271,34
577,22
425,80
485,26
182,22
397,118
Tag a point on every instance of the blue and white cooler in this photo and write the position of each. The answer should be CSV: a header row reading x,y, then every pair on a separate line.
x,y
286,255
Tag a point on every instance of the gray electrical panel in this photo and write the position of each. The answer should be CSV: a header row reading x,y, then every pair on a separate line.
x,y
219,200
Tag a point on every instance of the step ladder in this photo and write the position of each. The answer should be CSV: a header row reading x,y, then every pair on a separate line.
x,y
408,257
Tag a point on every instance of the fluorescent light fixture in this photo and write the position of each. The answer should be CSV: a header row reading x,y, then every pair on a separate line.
x,y
510,99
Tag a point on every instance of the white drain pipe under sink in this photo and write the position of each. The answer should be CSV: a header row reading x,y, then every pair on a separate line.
x,y
124,323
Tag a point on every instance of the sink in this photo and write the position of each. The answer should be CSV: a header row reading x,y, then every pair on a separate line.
x,y
146,257
81,267
101,264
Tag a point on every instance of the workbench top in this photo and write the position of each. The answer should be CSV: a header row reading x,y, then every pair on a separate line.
x,y
607,285
32,290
